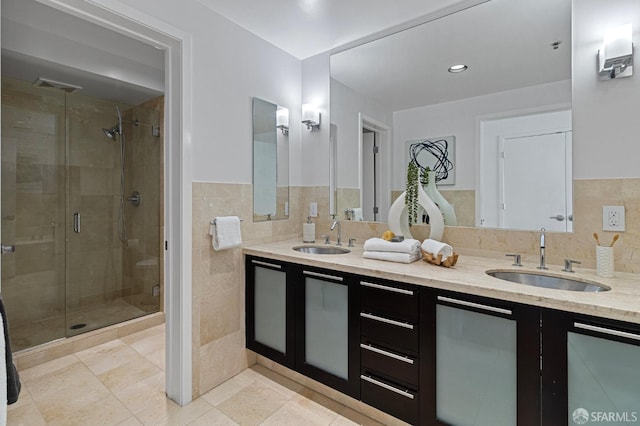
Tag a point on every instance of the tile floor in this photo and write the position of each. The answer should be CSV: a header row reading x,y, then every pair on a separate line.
x,y
122,383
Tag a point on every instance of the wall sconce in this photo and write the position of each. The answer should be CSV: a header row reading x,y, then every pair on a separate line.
x,y
615,58
282,120
311,117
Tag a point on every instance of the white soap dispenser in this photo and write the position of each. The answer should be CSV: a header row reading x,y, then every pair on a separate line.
x,y
309,231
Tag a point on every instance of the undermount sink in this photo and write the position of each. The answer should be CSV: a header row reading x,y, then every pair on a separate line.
x,y
548,281
321,249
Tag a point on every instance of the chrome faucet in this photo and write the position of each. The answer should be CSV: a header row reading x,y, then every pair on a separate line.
x,y
333,226
542,247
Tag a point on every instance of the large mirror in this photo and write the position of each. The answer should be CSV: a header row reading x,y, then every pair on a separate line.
x,y
270,161
504,122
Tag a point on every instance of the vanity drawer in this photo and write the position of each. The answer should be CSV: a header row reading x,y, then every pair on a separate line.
x,y
389,361
388,299
396,399
384,329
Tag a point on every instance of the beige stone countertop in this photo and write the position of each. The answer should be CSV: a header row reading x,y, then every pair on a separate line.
x,y
468,276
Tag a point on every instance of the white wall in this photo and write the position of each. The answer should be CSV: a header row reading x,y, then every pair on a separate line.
x,y
605,113
346,104
460,119
230,66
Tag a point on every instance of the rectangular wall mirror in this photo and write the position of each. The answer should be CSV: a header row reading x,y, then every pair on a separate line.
x,y
517,85
270,161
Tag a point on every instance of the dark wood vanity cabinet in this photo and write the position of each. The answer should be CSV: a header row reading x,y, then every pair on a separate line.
x,y
390,347
435,357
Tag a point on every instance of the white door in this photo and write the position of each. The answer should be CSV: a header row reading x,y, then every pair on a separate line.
x,y
369,175
534,182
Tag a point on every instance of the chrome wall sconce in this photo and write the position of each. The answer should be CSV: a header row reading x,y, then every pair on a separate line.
x,y
282,120
615,58
311,117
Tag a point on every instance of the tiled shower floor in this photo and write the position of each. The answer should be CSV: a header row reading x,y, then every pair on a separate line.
x,y
122,383
27,335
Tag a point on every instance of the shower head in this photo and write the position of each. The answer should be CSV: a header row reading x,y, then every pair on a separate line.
x,y
112,132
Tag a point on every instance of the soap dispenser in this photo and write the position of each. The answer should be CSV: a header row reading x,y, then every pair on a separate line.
x,y
309,231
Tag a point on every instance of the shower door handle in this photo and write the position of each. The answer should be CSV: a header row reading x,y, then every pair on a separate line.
x,y
76,222
7,249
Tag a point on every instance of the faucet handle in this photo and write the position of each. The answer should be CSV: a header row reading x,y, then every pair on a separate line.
x,y
568,265
351,241
517,259
326,239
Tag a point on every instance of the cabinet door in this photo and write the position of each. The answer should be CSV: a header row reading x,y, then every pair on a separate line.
x,y
269,320
603,364
476,359
325,330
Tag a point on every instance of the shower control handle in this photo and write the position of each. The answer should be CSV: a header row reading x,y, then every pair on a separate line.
x,y
135,199
76,222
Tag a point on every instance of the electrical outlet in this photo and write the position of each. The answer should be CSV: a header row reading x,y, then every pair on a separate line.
x,y
613,218
313,209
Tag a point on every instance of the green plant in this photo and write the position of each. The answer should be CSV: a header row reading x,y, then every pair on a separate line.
x,y
411,194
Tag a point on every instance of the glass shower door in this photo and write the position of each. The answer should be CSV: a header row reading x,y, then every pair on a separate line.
x,y
33,212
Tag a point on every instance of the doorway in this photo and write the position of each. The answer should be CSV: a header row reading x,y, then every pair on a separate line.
x,y
374,143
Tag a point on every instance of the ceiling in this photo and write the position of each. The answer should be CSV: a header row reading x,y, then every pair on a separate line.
x,y
305,28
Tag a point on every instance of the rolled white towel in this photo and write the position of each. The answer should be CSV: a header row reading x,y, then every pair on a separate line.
x,y
436,247
410,246
392,256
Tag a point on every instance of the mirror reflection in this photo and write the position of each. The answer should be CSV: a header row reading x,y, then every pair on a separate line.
x,y
270,161
515,89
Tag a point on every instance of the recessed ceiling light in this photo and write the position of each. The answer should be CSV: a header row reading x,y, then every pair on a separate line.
x,y
458,68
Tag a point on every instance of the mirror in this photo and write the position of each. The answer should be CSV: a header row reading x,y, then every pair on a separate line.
x,y
270,161
518,58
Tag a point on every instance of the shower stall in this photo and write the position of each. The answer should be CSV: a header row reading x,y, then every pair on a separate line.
x,y
82,205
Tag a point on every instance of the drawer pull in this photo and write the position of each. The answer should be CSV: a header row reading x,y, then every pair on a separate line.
x,y
387,320
270,265
387,288
372,348
319,275
387,387
609,331
475,305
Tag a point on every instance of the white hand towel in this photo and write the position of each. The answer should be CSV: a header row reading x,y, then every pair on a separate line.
x,y
392,257
226,233
357,214
378,244
436,247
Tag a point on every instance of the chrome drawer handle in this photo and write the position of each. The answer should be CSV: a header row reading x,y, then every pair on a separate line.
x,y
319,275
609,331
270,265
476,305
372,348
387,320
387,387
387,288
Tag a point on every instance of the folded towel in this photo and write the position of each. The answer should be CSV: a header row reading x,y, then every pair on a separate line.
x,y
357,214
409,245
392,257
226,233
436,247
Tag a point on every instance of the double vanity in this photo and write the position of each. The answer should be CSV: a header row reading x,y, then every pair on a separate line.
x,y
432,345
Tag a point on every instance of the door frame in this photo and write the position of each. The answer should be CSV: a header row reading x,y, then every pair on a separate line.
x,y
126,20
383,132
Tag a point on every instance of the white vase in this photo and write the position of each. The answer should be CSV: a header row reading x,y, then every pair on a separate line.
x,y
399,216
447,209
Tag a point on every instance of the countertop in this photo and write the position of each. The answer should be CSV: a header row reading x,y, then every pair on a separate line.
x,y
468,276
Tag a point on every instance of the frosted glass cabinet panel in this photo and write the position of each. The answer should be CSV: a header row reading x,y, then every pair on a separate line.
x,y
271,308
475,368
604,377
327,326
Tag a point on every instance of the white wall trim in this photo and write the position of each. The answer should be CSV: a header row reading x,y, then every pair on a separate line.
x,y
132,22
